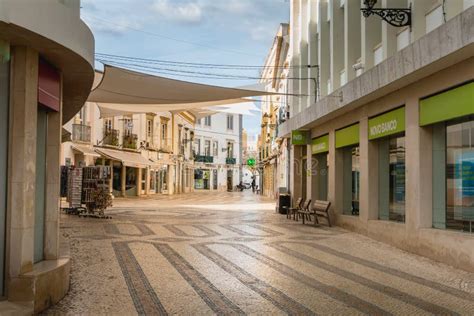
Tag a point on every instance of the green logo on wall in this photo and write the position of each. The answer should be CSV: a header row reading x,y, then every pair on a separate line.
x,y
251,162
386,124
299,137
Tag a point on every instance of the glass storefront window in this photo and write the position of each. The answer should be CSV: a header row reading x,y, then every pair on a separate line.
x,y
351,180
392,178
460,175
319,181
202,179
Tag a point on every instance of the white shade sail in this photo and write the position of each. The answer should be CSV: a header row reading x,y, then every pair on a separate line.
x,y
129,159
123,86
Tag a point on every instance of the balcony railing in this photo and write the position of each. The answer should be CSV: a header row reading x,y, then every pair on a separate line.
x,y
111,137
81,133
206,159
130,141
230,161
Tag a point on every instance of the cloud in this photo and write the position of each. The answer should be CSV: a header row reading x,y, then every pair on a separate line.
x,y
190,12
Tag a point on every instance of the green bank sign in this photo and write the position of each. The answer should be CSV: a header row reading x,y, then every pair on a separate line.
x,y
320,145
251,162
347,136
447,105
390,123
299,137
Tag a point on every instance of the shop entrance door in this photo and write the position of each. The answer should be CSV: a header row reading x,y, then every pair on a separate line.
x,y
230,180
214,179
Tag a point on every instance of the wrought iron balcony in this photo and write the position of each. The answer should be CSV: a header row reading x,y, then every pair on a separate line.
x,y
230,161
81,133
111,137
205,159
130,141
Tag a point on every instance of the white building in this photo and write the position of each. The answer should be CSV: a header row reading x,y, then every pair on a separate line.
x,y
388,135
217,152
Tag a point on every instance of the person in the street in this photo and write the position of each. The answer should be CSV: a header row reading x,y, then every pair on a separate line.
x,y
253,184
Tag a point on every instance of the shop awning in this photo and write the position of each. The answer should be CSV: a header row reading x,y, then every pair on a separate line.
x,y
85,150
123,86
129,159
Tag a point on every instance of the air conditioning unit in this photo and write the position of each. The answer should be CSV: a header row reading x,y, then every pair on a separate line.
x,y
358,66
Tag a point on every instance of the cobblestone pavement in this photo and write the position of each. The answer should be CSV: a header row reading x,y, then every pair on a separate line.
x,y
191,255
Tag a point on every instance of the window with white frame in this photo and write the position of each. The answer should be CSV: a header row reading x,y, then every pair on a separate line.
x,y
207,121
108,124
215,148
378,54
207,147
230,122
197,146
403,39
149,128
127,125
434,19
164,131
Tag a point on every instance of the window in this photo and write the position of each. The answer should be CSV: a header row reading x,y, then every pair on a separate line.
x,y
230,150
197,147
460,175
319,178
199,122
207,147
434,19
149,128
215,148
207,121
403,39
164,131
127,126
108,125
351,180
392,178
378,54
230,122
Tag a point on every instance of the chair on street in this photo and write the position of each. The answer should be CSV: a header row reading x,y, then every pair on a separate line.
x,y
305,212
292,210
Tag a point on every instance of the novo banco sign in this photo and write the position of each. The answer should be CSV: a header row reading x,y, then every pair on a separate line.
x,y
389,123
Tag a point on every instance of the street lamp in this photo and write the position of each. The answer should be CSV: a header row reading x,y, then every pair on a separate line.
x,y
397,17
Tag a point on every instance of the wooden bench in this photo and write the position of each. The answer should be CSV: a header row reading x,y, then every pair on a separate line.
x,y
321,208
292,210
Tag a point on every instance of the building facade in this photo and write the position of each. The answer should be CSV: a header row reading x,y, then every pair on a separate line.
x,y
218,152
272,155
389,141
46,73
149,153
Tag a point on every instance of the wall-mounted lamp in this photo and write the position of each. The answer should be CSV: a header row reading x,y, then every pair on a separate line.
x,y
397,17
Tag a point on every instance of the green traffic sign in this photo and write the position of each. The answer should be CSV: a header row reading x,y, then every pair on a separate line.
x,y
251,162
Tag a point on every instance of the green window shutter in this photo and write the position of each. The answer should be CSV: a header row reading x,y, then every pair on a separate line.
x,y
390,123
320,145
451,104
347,136
299,137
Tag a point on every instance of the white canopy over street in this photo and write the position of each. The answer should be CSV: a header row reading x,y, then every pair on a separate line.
x,y
122,91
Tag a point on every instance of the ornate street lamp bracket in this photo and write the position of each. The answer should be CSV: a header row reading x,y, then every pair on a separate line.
x,y
397,17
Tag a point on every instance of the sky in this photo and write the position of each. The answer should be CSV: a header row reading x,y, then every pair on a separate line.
x,y
238,32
